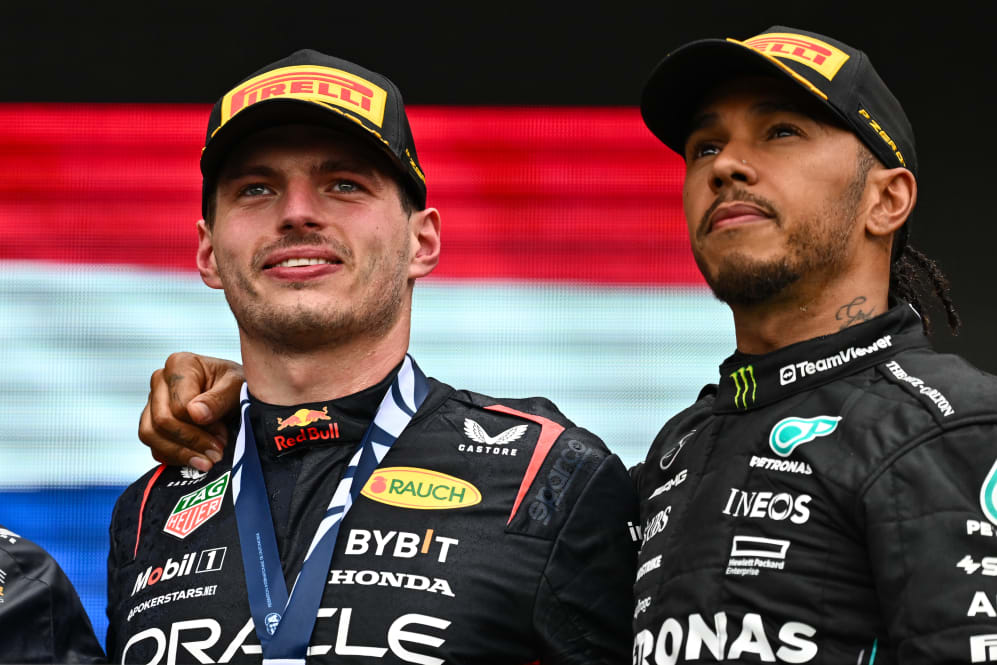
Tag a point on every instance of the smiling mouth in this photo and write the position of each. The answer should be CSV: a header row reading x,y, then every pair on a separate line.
x,y
302,262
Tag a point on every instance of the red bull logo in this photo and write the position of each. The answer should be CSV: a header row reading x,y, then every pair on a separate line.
x,y
321,85
303,417
421,489
819,56
196,508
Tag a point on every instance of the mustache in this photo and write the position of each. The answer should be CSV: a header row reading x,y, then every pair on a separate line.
x,y
312,238
735,195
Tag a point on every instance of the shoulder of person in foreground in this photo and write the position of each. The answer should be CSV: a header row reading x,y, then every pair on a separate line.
x,y
576,493
929,508
41,617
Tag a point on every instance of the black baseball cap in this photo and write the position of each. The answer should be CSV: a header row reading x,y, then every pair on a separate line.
x,y
309,87
840,77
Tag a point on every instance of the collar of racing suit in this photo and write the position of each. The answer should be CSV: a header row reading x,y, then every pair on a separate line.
x,y
283,430
753,381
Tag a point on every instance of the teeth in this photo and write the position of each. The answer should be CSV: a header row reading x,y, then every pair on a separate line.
x,y
294,263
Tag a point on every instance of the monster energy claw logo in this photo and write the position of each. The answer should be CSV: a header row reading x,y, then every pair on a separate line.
x,y
744,383
988,495
789,433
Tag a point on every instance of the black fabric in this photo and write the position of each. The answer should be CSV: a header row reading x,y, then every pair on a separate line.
x,y
455,585
41,617
842,519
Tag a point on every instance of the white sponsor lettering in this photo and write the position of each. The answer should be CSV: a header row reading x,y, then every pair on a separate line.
x,y
983,648
642,606
487,450
403,544
656,525
978,527
208,561
182,594
198,636
394,580
987,565
789,466
768,505
790,373
981,605
749,555
648,566
931,393
672,483
705,641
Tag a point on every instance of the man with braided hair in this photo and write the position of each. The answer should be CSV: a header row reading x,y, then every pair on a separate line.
x,y
833,497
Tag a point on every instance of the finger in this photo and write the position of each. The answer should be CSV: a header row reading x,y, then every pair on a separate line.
x,y
167,451
221,397
181,379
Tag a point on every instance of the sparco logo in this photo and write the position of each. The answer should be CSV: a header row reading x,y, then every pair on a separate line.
x,y
697,640
208,561
548,497
800,370
744,386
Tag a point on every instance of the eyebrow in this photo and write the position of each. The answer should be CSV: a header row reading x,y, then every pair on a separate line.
x,y
709,119
239,171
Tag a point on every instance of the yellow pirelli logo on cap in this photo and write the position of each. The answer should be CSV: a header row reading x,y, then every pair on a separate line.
x,y
322,85
819,56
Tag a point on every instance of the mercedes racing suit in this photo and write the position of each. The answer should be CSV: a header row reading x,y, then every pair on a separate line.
x,y
41,617
538,570
834,501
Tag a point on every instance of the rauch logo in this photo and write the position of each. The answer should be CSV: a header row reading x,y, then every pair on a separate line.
x,y
421,489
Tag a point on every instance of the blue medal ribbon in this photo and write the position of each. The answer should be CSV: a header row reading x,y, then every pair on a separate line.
x,y
284,622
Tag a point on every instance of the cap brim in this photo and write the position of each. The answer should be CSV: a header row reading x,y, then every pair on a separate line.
x,y
275,112
680,82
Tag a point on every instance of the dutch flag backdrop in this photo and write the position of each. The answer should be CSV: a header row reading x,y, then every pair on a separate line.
x,y
565,272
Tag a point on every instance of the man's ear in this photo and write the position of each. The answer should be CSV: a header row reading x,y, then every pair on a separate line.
x,y
895,192
206,256
425,234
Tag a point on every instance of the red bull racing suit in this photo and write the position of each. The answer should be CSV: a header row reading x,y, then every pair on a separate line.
x,y
494,531
834,501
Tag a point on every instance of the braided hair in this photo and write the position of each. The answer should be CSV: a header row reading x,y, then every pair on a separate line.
x,y
915,277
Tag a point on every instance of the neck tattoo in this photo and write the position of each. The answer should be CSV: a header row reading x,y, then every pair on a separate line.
x,y
853,313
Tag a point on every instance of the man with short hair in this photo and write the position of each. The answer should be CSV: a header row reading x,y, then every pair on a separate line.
x,y
833,498
351,519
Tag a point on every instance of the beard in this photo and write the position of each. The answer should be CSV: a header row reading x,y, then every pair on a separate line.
x,y
300,326
817,247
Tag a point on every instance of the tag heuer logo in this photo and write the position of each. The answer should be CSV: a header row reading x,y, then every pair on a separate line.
x,y
988,495
789,433
196,508
477,433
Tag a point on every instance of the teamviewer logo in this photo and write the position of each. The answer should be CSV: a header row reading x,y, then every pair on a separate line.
x,y
787,375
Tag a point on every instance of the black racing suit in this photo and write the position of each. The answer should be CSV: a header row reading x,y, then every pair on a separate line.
x,y
41,617
547,580
834,501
